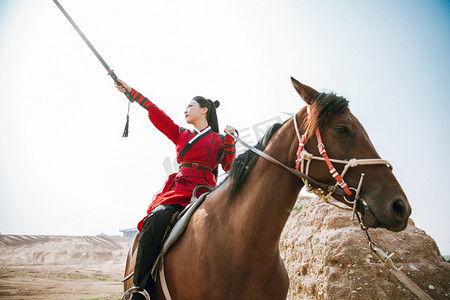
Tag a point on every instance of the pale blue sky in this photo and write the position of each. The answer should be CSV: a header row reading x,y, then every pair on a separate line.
x,y
64,167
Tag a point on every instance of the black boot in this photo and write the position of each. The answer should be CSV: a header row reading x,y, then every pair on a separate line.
x,y
145,258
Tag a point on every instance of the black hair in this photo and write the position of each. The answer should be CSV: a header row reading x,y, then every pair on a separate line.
x,y
211,115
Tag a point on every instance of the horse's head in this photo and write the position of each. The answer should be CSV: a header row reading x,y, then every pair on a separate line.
x,y
382,201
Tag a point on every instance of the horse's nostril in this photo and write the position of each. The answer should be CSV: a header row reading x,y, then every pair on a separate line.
x,y
399,208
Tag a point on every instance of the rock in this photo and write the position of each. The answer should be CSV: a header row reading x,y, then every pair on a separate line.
x,y
327,256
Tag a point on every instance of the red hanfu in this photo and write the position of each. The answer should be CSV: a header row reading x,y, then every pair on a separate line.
x,y
207,150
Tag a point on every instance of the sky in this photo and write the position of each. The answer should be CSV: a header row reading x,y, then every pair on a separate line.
x,y
65,168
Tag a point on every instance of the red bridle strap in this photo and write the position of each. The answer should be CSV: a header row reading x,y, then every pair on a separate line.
x,y
332,169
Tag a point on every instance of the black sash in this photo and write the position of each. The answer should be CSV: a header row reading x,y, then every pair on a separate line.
x,y
189,145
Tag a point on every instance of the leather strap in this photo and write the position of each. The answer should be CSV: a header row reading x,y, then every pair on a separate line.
x,y
332,169
326,187
196,166
189,145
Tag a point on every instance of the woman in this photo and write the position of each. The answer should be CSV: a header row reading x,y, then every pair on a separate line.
x,y
198,153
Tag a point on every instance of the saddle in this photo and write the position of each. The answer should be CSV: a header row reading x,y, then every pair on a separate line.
x,y
174,230
177,226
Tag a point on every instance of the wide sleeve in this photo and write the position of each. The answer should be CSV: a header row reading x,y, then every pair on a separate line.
x,y
230,152
158,117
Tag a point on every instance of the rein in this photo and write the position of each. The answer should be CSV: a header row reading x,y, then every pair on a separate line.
x,y
330,188
388,263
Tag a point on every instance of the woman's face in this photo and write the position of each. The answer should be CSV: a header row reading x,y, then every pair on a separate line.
x,y
194,112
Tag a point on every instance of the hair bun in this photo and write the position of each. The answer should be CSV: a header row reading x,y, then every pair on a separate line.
x,y
216,103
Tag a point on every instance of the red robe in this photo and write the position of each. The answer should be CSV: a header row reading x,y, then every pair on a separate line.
x,y
208,149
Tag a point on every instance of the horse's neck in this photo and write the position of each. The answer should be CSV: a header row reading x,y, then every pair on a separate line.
x,y
269,192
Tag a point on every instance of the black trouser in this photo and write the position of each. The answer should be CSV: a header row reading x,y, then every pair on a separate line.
x,y
150,239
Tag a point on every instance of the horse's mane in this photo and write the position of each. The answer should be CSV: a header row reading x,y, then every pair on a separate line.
x,y
324,107
244,163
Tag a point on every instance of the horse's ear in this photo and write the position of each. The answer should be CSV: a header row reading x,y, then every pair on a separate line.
x,y
307,93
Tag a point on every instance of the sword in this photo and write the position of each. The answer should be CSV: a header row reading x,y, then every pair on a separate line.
x,y
110,72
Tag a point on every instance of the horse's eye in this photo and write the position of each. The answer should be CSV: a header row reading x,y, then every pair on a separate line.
x,y
341,130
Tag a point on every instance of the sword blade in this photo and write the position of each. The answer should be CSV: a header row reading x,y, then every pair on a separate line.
x,y
84,38
110,72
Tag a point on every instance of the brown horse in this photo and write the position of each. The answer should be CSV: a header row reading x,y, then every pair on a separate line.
x,y
230,247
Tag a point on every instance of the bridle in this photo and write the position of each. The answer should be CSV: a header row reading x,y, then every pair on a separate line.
x,y
322,190
304,156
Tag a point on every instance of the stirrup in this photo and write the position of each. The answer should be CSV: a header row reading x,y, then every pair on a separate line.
x,y
135,289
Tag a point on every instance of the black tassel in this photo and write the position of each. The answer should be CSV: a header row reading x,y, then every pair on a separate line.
x,y
125,130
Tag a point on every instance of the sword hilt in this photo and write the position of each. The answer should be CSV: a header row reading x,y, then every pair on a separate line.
x,y
114,77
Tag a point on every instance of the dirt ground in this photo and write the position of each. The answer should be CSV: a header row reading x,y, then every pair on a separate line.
x,y
61,267
318,245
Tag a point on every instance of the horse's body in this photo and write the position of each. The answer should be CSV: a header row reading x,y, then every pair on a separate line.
x,y
230,247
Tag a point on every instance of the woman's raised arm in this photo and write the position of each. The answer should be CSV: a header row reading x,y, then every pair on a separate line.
x,y
159,119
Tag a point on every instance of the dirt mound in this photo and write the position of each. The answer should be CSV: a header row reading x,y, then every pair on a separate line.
x,y
328,257
62,267
42,249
